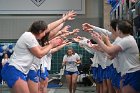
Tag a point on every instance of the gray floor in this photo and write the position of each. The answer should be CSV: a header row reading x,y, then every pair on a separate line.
x,y
80,88
63,89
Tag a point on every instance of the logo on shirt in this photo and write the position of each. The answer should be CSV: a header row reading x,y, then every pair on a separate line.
x,y
36,79
38,2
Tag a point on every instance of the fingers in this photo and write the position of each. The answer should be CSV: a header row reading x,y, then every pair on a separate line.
x,y
76,30
56,41
70,15
87,27
66,29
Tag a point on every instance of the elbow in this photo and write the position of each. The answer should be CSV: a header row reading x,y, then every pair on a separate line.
x,y
39,56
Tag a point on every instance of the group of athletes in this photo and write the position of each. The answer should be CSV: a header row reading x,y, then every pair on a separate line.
x,y
116,65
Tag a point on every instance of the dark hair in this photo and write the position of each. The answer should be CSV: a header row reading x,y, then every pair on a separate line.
x,y
38,27
70,48
44,39
92,41
114,23
125,26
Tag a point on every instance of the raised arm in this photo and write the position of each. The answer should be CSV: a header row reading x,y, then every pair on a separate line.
x,y
69,16
110,50
84,42
39,51
60,47
55,31
89,28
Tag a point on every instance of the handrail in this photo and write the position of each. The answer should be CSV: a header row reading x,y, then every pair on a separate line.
x,y
115,7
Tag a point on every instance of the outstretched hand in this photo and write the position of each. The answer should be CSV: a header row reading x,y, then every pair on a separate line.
x,y
65,29
69,15
77,39
96,36
87,27
56,41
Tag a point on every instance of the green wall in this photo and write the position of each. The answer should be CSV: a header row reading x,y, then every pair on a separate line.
x,y
58,57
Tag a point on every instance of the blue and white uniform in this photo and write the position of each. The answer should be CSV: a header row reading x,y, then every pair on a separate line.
x,y
129,62
32,74
21,60
98,61
116,75
71,66
40,67
45,66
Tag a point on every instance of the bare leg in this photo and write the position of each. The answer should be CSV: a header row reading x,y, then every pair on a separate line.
x,y
117,90
20,86
69,81
43,86
128,89
105,88
101,87
97,87
110,87
33,86
74,82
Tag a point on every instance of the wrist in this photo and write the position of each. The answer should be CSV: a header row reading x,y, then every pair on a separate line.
x,y
63,19
50,45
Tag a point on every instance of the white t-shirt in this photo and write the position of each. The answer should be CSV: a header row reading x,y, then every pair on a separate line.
x,y
84,44
70,62
115,60
22,58
99,57
36,64
128,58
46,61
102,31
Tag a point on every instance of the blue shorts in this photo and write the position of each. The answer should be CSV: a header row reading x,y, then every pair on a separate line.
x,y
43,75
94,72
109,71
99,74
116,78
71,73
10,75
105,74
32,75
132,79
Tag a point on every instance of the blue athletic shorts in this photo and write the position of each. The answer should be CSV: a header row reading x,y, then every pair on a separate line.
x,y
132,79
43,75
109,71
94,72
99,74
71,73
10,75
116,78
105,74
32,75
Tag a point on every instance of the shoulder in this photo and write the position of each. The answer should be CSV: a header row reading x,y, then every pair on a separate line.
x,y
76,54
28,34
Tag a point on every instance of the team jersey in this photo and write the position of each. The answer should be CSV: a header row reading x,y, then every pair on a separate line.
x,y
71,64
128,58
22,58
